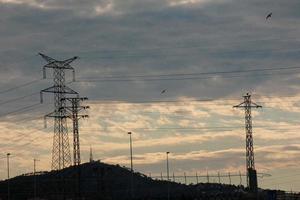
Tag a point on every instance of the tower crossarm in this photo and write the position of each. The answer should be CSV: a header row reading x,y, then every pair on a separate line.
x,y
66,63
47,58
56,64
53,89
245,105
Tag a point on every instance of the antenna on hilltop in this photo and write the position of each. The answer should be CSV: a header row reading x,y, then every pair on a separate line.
x,y
91,154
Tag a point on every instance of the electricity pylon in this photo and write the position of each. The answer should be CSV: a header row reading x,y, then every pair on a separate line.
x,y
74,109
61,156
250,166
72,112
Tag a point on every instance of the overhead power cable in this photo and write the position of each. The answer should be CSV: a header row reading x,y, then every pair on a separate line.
x,y
221,128
218,101
218,50
20,110
20,86
178,78
198,73
18,98
117,78
24,135
22,97
194,45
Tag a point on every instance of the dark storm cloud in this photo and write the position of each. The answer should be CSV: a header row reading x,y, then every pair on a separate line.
x,y
151,37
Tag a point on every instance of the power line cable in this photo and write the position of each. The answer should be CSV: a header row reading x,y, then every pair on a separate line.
x,y
17,99
182,78
112,101
23,136
22,97
219,51
223,45
220,128
20,86
20,110
158,75
199,73
282,182
205,101
281,177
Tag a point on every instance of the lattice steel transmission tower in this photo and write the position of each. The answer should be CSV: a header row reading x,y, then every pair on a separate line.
x,y
61,156
74,109
250,166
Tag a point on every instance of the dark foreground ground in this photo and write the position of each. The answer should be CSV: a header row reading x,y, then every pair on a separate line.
x,y
101,181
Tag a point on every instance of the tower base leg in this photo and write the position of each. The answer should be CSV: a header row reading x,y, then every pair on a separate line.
x,y
252,178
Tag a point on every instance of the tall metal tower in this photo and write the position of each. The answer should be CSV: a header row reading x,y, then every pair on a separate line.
x,y
250,167
61,156
74,109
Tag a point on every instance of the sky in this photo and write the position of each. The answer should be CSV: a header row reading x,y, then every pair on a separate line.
x,y
131,50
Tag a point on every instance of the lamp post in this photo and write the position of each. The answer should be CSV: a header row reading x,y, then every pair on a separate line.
x,y
168,176
130,140
167,153
34,174
131,165
8,188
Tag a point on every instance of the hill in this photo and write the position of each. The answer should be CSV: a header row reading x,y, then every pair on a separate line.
x,y
97,180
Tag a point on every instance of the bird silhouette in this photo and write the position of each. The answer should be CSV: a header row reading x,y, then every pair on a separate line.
x,y
164,91
269,16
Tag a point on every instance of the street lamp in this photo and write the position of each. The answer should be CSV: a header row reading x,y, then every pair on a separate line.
x,y
34,182
130,140
168,175
8,189
131,165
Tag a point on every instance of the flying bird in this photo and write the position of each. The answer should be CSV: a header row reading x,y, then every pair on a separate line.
x,y
269,16
164,91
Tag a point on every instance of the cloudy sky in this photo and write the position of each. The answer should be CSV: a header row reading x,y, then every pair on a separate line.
x,y
131,50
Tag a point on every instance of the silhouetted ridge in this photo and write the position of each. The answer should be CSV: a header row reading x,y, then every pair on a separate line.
x,y
111,182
